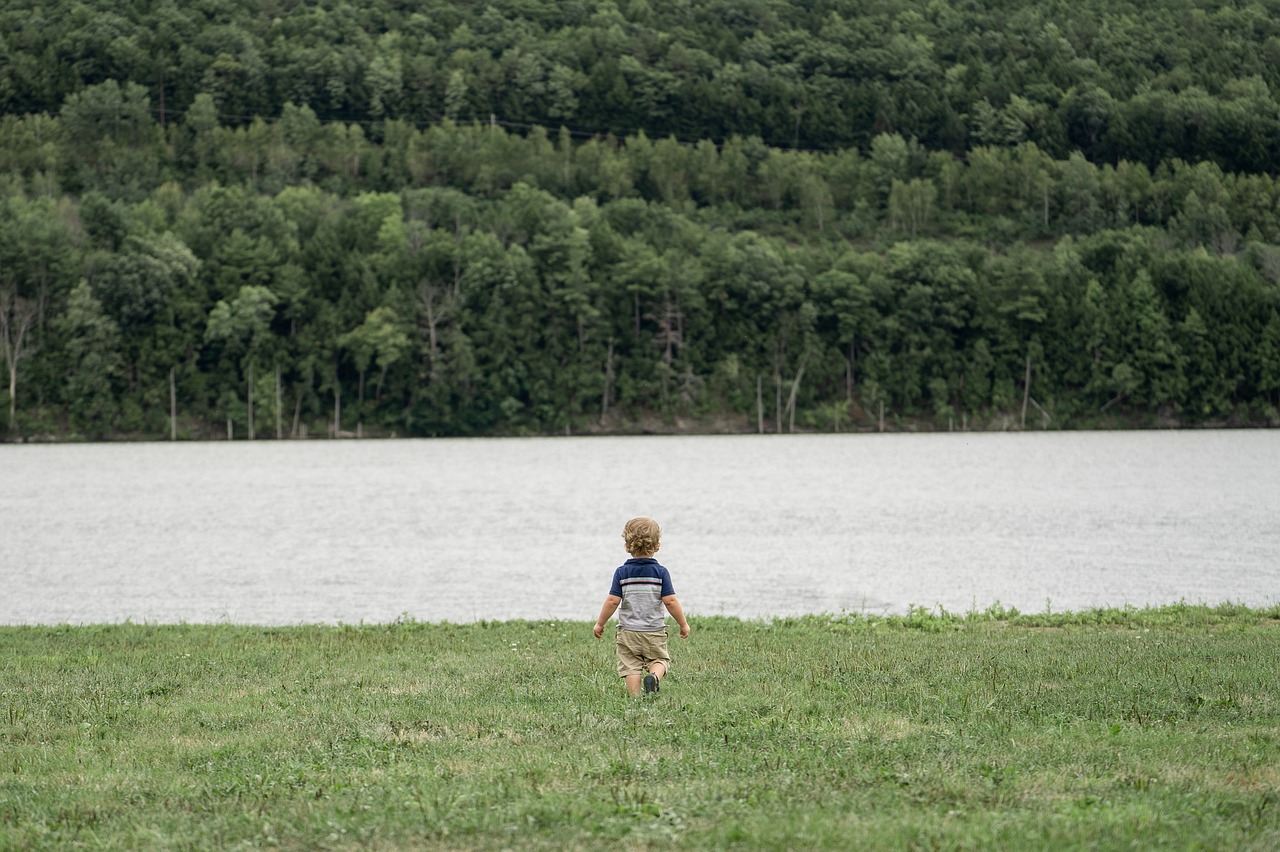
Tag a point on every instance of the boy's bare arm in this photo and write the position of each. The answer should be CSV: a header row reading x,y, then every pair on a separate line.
x,y
677,612
606,612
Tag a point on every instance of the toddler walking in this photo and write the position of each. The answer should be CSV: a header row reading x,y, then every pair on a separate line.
x,y
641,588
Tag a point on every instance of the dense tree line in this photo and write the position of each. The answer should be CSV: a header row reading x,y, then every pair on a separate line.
x,y
271,219
1140,81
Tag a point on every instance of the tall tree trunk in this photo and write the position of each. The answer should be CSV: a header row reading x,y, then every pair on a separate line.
x,y
608,383
173,405
759,404
777,401
429,297
337,405
17,316
250,395
360,406
791,400
1026,388
848,375
279,405
13,393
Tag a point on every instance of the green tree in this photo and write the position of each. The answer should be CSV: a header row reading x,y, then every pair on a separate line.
x,y
243,325
844,289
111,137
1269,348
381,340
1207,393
911,205
107,114
384,77
1079,189
149,288
95,363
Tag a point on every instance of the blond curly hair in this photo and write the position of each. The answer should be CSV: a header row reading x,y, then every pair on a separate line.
x,y
642,535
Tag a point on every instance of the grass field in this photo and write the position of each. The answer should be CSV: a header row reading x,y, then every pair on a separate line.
x,y
1110,729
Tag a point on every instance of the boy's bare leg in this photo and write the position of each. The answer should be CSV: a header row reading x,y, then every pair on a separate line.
x,y
635,683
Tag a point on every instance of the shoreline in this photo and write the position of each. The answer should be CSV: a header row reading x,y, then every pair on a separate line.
x,y
652,424
674,431
934,619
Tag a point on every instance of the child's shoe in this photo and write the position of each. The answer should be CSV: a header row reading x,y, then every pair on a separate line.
x,y
650,684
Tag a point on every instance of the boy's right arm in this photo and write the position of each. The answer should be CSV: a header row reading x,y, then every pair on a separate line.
x,y
606,612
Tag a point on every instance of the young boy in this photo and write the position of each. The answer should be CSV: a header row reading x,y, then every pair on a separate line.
x,y
642,587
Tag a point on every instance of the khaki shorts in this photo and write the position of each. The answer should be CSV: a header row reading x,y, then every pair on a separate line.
x,y
637,651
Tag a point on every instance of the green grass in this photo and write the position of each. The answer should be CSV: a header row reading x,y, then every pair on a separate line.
x,y
1110,729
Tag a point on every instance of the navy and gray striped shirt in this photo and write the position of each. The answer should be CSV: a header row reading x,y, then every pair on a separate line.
x,y
642,584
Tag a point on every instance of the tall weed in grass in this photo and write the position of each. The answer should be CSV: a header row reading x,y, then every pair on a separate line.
x,y
1108,729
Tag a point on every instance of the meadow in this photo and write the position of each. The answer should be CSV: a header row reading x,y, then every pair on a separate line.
x,y
1107,729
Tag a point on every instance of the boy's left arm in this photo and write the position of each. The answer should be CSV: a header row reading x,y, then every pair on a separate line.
x,y
677,612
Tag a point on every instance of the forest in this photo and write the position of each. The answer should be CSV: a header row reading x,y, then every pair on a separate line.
x,y
272,219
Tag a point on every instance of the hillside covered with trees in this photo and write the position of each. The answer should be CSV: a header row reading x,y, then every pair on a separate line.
x,y
546,216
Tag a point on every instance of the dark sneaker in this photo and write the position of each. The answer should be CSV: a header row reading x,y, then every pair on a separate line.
x,y
650,683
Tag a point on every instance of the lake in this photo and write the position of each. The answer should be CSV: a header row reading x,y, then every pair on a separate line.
x,y
461,530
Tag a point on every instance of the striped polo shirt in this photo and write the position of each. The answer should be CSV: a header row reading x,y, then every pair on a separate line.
x,y
642,584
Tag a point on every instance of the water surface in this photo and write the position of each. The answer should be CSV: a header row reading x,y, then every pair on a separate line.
x,y
754,526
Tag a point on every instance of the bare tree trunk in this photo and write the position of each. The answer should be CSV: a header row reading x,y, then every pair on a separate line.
x,y
173,406
297,415
1026,389
251,435
360,398
608,384
759,404
13,393
279,405
791,400
882,415
429,298
337,406
671,328
1043,413
777,401
17,316
848,375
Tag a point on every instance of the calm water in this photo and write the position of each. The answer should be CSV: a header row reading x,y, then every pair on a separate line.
x,y
460,530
